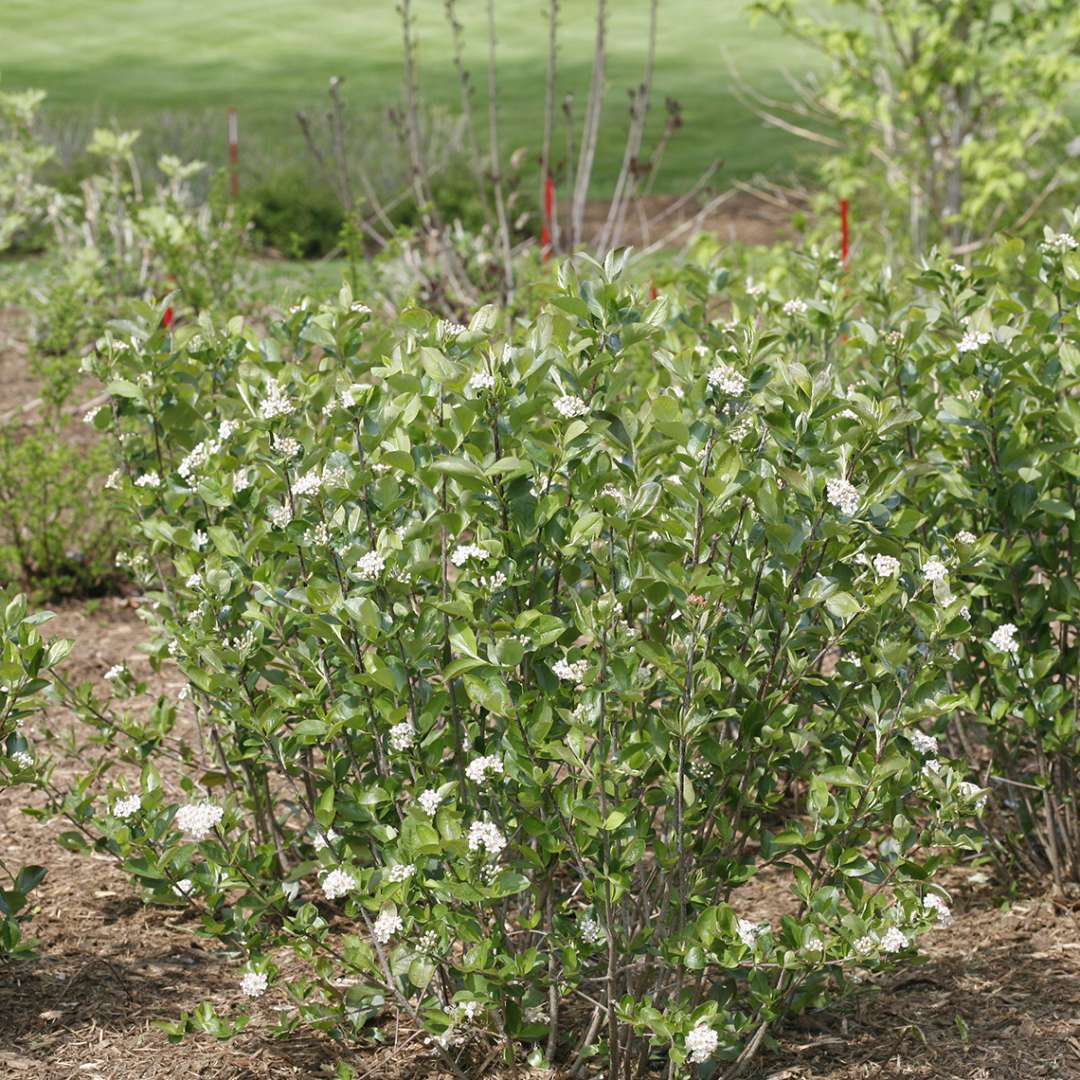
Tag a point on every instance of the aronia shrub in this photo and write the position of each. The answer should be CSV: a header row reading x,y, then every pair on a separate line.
x,y
566,689
26,661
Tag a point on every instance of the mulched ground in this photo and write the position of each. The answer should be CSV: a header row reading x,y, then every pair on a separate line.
x,y
997,998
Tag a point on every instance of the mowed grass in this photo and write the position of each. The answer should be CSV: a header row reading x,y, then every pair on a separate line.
x,y
130,61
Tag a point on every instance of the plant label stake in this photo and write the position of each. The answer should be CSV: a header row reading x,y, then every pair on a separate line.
x,y
234,153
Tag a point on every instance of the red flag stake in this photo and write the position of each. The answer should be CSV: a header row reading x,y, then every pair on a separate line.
x,y
234,153
845,235
167,318
549,212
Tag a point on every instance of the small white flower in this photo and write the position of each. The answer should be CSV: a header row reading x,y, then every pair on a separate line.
x,y
894,940
727,381
112,481
748,932
308,484
1004,639
184,887
478,769
115,673
1059,242
886,566
481,380
125,807
253,984
923,743
91,414
402,736
702,1043
935,570
386,926
464,552
795,307
931,767
429,801
972,341
22,759
199,539
148,480
486,835
241,480
325,839
965,537
570,671
338,883
288,447
592,933
401,872
968,790
276,403
198,819
868,943
370,566
280,516
570,405
933,902
843,495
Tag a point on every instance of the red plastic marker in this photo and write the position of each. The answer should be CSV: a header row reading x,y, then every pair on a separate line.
x,y
234,153
167,318
549,211
845,235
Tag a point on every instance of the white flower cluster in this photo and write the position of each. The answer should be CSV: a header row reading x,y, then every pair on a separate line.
x,y
570,405
198,819
288,447
241,480
400,872
429,801
402,736
325,839
933,902
308,484
115,673
125,807
702,1043
386,926
253,984
592,933
22,759
795,307
338,883
973,340
727,381
843,495
886,566
280,516
894,940
481,380
1004,639
486,835
748,932
570,671
370,566
464,552
276,403
1060,242
923,743
148,480
935,570
965,537
968,790
478,769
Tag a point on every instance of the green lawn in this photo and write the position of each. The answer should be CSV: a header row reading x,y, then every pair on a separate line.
x,y
129,60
